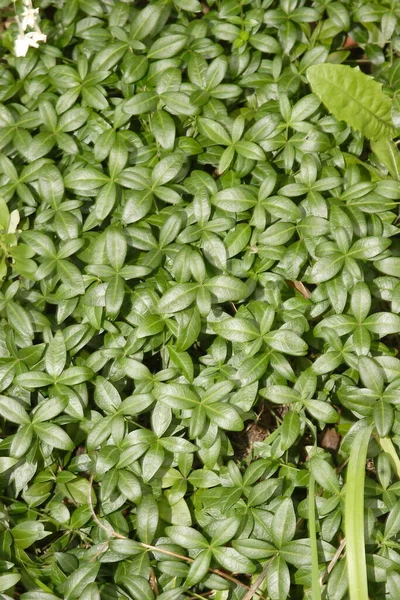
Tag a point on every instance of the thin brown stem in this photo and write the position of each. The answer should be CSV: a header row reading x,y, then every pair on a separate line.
x,y
153,582
115,534
254,588
96,519
333,561
188,559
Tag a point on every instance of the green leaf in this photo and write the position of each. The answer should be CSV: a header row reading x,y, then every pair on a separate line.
x,y
21,442
100,432
73,119
286,341
388,154
360,301
262,492
252,369
234,200
182,361
85,180
146,21
7,463
139,587
283,523
56,355
199,298
126,547
142,102
75,375
114,295
389,266
326,268
281,394
53,435
231,560
107,58
324,474
383,323
321,411
116,247
134,68
152,461
163,128
369,247
150,325
167,169
8,580
253,548
249,150
147,516
224,416
51,185
278,234
27,533
138,204
167,46
337,583
225,288
203,478
178,103
199,568
383,416
13,411
290,429
40,243
213,131
278,579
49,408
174,594
236,330
225,531
353,97
79,580
187,537
297,553
179,297
371,374
19,319
177,395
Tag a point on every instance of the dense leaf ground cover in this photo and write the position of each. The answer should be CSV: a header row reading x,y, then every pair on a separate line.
x,y
200,298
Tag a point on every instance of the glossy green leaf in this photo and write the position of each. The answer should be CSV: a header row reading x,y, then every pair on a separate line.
x,y
353,97
147,519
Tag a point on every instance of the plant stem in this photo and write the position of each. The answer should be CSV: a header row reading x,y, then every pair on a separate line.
x,y
119,536
254,588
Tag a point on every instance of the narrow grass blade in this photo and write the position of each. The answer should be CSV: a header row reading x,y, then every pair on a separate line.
x,y
312,530
354,516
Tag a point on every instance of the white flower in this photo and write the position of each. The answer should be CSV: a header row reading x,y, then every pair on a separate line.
x,y
21,45
23,41
36,36
13,222
29,18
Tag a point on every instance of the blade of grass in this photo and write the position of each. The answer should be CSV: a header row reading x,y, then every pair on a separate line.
x,y
312,530
354,516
